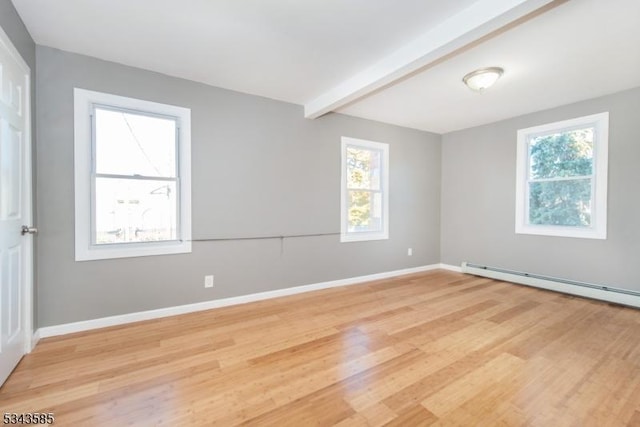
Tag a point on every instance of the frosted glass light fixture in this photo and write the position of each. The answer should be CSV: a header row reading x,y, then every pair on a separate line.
x,y
481,79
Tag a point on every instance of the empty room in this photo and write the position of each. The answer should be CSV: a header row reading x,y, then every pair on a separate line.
x,y
318,213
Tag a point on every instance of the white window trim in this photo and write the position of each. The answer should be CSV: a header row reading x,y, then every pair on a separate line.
x,y
84,100
598,228
345,235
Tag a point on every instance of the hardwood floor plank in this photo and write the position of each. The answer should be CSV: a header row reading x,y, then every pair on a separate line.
x,y
434,348
473,383
416,415
514,311
635,419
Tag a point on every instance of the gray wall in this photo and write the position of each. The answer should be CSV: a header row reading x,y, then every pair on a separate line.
x,y
478,200
258,168
13,26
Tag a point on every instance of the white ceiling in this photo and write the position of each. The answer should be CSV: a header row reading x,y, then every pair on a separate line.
x,y
579,50
298,51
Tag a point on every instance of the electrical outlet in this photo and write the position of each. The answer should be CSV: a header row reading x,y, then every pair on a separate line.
x,y
409,251
208,281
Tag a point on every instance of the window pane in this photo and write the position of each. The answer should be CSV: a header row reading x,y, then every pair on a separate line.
x,y
566,203
134,144
365,211
132,210
562,154
363,168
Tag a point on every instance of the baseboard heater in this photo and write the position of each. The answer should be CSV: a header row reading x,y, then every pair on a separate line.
x,y
584,289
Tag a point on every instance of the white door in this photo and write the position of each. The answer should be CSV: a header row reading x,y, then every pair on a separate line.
x,y
15,208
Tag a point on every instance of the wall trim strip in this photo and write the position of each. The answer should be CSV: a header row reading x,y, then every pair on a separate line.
x,y
450,267
35,338
69,328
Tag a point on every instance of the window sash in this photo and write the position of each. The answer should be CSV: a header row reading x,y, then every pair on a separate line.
x,y
563,178
380,167
381,192
95,175
176,147
597,228
592,201
591,176
382,214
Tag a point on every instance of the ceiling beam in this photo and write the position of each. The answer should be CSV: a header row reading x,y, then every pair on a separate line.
x,y
470,25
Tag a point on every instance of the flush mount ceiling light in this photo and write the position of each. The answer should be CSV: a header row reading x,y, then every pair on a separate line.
x,y
481,79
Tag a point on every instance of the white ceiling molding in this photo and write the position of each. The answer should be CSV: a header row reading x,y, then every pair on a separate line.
x,y
468,26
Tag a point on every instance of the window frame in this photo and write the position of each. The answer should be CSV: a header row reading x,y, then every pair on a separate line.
x,y
345,234
85,103
599,178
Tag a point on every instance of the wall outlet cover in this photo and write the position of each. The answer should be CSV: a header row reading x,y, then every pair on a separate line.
x,y
208,281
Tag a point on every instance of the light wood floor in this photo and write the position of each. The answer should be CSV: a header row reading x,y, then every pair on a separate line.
x,y
437,348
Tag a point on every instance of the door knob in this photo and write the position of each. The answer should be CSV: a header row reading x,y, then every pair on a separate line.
x,y
28,230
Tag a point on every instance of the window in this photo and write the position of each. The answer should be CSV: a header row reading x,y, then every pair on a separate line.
x,y
365,190
562,178
132,177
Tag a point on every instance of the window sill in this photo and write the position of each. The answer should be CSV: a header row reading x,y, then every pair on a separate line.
x,y
363,237
571,232
129,251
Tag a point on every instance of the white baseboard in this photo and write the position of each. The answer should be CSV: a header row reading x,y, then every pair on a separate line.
x,y
583,291
34,340
68,328
450,267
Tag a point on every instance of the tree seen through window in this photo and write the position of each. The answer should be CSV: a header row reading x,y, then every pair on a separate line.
x,y
561,178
